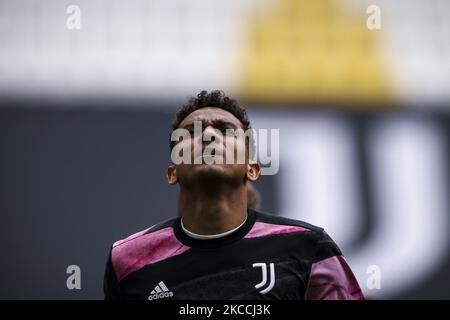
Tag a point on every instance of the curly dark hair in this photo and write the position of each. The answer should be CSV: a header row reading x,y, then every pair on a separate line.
x,y
217,99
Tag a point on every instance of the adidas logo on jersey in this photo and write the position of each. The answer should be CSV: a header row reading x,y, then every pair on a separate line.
x,y
160,291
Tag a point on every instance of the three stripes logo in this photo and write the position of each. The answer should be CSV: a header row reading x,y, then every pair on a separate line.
x,y
160,291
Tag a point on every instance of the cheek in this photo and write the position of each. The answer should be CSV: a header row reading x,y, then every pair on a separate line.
x,y
241,146
234,143
238,148
183,171
185,145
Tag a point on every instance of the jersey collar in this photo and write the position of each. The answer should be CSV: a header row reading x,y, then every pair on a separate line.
x,y
228,238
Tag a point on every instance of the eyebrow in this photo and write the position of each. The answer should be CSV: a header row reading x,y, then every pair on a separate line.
x,y
218,122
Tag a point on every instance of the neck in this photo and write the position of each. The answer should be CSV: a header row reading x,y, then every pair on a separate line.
x,y
210,211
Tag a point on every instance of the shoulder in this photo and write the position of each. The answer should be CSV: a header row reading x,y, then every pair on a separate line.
x,y
146,233
148,246
270,224
267,224
272,219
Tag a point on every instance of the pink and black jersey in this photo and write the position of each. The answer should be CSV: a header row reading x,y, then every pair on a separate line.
x,y
268,257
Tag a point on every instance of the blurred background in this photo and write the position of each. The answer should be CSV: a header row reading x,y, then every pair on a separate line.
x,y
360,91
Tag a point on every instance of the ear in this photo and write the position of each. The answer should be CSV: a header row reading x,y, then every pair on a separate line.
x,y
253,171
172,174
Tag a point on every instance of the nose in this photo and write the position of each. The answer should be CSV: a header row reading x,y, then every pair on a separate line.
x,y
212,134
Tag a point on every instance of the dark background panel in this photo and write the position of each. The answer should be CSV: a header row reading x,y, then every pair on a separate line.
x,y
75,180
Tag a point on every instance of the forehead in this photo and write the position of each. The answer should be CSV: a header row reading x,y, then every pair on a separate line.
x,y
211,114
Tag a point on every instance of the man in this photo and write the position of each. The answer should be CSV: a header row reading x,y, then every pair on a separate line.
x,y
218,248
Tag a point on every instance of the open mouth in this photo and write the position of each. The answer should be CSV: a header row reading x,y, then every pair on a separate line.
x,y
212,154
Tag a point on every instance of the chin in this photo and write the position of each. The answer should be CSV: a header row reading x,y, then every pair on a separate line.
x,y
212,172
